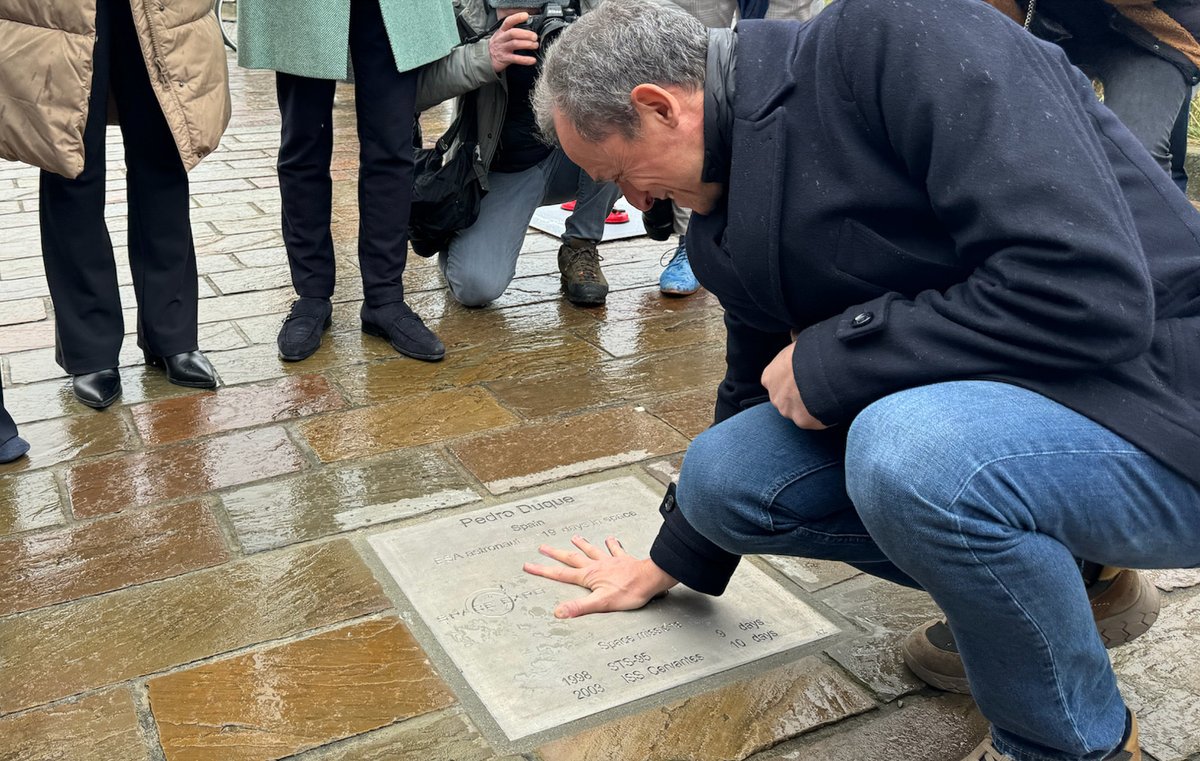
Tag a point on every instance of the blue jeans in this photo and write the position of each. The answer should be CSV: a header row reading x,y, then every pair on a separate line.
x,y
985,495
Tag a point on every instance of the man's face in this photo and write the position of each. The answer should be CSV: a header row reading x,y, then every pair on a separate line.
x,y
664,160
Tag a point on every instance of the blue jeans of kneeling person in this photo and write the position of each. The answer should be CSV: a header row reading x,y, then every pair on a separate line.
x,y
984,494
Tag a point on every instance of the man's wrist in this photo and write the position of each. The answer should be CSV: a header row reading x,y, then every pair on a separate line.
x,y
658,580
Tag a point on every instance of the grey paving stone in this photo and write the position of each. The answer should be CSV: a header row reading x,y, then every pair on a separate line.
x,y
888,612
1160,679
941,728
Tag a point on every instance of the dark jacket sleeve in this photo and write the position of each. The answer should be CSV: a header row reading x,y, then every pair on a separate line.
x,y
991,123
748,351
687,556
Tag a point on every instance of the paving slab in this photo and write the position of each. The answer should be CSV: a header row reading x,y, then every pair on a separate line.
x,y
333,500
304,694
88,644
1159,674
100,726
463,575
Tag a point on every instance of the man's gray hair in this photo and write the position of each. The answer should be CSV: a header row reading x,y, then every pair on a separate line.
x,y
590,71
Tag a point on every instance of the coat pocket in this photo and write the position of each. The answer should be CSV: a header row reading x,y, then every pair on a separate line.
x,y
868,257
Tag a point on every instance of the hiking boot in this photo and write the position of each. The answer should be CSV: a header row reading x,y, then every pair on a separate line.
x,y
579,263
1124,603
1129,750
677,279
403,329
300,334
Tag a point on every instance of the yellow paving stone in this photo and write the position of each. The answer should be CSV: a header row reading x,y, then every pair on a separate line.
x,y
100,727
51,399
444,736
184,470
546,451
727,724
636,379
503,357
690,414
336,499
84,645
54,441
412,422
625,338
52,567
29,501
272,703
168,421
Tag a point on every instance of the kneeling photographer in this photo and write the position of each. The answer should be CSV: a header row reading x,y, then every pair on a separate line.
x,y
493,76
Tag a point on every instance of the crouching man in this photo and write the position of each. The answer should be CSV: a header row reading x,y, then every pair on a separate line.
x,y
947,365
523,172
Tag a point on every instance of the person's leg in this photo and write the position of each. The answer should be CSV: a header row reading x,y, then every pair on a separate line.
x,y
756,483
986,494
80,269
593,199
305,187
385,101
482,259
162,257
1143,90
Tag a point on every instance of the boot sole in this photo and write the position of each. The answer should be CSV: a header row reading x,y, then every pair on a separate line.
x,y
944,682
1134,621
374,330
584,300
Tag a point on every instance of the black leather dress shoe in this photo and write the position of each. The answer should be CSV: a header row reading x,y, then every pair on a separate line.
x,y
98,389
301,333
189,369
403,329
659,220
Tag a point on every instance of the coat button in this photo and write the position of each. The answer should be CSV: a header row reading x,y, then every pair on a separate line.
x,y
861,319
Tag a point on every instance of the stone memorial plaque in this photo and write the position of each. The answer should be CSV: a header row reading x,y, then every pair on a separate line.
x,y
532,672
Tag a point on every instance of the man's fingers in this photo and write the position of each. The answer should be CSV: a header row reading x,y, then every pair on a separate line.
x,y
573,559
556,573
596,602
511,21
589,549
614,547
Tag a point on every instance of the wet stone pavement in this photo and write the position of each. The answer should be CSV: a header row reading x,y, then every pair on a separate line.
x,y
186,576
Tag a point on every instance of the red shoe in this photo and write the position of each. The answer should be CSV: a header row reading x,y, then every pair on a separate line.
x,y
617,217
568,206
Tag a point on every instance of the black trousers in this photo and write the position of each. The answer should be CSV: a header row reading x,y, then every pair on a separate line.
x,y
384,101
78,252
8,428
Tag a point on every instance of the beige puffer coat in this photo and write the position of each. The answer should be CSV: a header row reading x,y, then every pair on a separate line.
x,y
46,76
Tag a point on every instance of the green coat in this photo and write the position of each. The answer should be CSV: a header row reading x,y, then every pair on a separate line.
x,y
310,38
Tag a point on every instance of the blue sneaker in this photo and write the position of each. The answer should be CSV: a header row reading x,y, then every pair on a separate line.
x,y
677,279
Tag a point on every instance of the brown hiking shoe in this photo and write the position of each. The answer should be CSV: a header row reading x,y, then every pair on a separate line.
x,y
1124,603
579,263
1129,750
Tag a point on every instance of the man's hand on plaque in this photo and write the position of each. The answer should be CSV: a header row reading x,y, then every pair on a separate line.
x,y
617,580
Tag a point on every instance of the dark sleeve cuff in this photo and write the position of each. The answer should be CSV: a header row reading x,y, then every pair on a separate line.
x,y
688,557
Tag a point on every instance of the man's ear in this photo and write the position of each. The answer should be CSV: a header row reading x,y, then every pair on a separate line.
x,y
655,103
